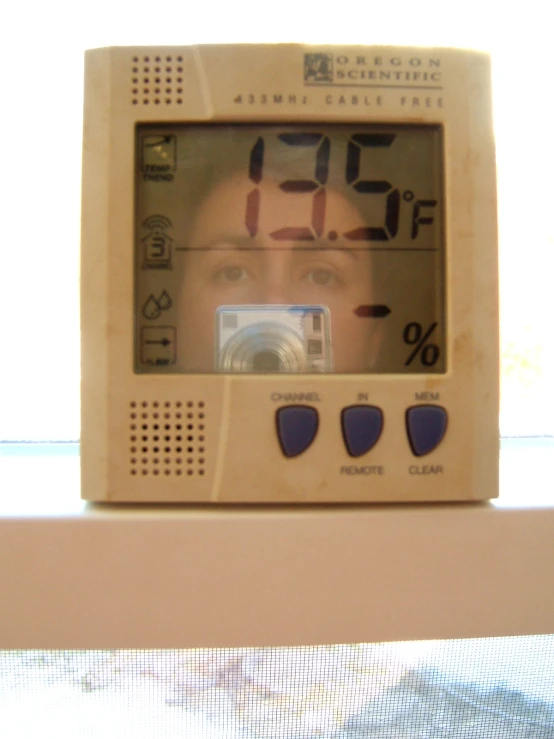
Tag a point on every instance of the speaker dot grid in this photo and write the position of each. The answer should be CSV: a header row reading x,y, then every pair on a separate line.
x,y
143,67
161,433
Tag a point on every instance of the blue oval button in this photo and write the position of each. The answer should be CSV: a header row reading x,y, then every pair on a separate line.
x,y
296,428
361,428
426,427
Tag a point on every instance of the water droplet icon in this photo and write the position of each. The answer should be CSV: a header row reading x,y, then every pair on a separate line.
x,y
151,309
164,301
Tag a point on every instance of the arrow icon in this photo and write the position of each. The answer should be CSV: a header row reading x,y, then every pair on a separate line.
x,y
372,311
158,345
163,342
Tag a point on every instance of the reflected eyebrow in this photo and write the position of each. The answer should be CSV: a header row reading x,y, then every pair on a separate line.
x,y
233,242
326,246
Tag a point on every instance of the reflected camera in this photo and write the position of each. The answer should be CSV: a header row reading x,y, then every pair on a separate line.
x,y
273,338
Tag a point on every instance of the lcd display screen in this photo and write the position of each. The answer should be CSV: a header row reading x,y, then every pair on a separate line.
x,y
289,248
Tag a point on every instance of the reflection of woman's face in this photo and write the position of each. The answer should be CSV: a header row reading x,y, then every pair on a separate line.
x,y
222,268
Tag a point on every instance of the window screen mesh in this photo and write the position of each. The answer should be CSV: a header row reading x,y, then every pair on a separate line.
x,y
467,689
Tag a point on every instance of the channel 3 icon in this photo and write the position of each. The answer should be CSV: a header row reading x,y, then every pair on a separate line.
x,y
318,68
157,243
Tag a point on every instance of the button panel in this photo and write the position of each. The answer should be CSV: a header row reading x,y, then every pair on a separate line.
x,y
361,428
426,427
296,428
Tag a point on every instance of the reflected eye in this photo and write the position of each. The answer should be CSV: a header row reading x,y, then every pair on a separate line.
x,y
321,276
231,273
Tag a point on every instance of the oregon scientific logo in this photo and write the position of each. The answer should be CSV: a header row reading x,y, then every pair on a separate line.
x,y
318,68
325,68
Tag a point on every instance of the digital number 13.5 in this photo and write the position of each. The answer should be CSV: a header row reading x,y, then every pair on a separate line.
x,y
352,175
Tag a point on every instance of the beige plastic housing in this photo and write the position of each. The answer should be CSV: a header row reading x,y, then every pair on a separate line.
x,y
212,438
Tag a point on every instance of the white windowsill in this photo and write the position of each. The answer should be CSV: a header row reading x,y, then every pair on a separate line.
x,y
77,576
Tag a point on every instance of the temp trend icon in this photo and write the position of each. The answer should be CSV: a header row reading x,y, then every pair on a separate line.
x,y
159,153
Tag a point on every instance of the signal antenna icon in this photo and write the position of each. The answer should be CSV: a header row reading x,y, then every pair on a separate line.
x,y
157,222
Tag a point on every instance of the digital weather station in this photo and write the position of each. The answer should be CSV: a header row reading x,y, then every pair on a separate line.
x,y
289,275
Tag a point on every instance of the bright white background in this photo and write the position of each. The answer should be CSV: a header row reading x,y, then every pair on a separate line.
x,y
40,128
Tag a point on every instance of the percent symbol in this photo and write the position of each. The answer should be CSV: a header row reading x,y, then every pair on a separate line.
x,y
413,335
